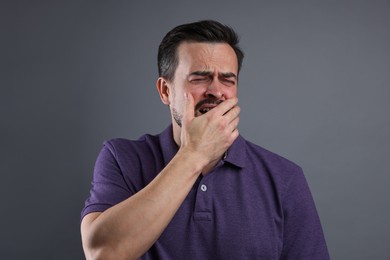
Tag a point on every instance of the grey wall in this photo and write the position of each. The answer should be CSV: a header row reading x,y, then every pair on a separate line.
x,y
315,88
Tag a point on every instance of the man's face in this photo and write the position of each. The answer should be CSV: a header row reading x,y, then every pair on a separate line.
x,y
207,71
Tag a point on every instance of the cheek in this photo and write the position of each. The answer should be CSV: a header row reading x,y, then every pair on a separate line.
x,y
196,92
231,92
177,103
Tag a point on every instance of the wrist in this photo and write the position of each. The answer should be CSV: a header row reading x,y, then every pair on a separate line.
x,y
195,160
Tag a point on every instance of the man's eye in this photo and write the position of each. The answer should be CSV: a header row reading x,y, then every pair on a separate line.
x,y
229,81
198,80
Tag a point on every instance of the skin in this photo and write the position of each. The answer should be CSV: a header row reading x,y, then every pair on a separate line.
x,y
206,71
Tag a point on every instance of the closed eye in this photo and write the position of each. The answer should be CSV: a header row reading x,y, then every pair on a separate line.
x,y
229,81
200,76
199,79
228,78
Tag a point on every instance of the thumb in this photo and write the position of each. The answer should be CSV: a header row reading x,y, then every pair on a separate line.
x,y
188,111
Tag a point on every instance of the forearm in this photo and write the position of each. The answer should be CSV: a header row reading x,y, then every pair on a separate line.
x,y
130,228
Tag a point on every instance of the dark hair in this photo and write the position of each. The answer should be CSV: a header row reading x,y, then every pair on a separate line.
x,y
202,31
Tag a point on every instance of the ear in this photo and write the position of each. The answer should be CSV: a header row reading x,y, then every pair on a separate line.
x,y
164,90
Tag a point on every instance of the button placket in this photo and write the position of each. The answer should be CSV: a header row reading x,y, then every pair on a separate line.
x,y
202,206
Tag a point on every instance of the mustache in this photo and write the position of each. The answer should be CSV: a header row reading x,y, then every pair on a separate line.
x,y
209,100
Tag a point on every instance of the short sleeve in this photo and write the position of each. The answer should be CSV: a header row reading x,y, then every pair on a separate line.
x,y
303,236
108,184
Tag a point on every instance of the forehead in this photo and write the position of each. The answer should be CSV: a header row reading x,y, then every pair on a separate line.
x,y
206,56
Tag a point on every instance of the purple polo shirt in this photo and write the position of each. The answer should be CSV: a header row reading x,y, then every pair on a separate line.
x,y
253,205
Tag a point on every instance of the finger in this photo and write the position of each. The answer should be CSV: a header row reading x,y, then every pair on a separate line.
x,y
188,110
232,133
233,113
225,106
235,134
234,124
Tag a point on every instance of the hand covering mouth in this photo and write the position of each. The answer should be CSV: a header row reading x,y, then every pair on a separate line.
x,y
206,105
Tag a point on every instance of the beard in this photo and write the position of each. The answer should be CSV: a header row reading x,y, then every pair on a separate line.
x,y
178,117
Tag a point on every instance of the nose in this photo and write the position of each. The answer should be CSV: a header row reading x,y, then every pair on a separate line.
x,y
214,90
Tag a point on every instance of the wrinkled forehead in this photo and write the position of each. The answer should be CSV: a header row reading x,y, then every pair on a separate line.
x,y
196,56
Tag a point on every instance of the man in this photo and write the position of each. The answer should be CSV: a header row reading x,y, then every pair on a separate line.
x,y
199,190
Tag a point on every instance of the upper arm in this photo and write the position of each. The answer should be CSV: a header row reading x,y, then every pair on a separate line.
x,y
108,185
303,235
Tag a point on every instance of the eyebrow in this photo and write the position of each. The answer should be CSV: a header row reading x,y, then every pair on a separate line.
x,y
228,75
209,73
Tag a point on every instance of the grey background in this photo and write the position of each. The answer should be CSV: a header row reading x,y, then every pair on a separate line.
x,y
314,88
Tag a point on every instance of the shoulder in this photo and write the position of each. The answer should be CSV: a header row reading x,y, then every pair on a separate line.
x,y
128,152
286,177
280,169
269,158
138,160
119,146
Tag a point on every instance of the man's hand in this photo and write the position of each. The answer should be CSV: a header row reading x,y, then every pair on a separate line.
x,y
210,134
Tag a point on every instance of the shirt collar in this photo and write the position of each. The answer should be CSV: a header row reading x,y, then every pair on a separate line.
x,y
236,154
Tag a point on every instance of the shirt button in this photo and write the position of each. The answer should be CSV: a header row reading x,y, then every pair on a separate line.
x,y
203,187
